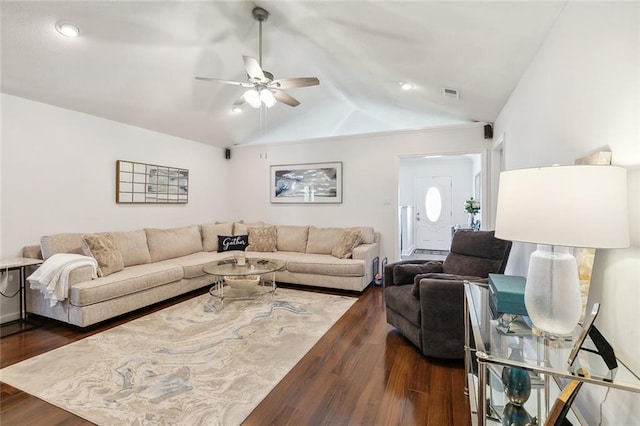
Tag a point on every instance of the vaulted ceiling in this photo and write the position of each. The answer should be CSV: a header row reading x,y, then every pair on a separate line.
x,y
135,62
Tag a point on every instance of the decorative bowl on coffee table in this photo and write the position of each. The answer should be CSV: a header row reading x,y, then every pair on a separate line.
x,y
242,282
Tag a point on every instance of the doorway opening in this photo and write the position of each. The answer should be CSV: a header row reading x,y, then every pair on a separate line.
x,y
432,191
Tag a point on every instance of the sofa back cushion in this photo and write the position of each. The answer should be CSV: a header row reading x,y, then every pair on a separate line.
x,y
210,233
170,243
133,247
61,243
241,228
292,238
323,240
367,234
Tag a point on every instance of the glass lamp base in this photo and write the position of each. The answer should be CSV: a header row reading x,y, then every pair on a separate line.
x,y
552,293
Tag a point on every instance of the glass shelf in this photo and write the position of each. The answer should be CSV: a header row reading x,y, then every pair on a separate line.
x,y
488,347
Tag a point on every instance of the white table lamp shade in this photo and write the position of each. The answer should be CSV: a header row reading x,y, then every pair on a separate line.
x,y
568,206
576,206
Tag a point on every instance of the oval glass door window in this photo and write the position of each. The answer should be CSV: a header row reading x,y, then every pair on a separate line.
x,y
433,204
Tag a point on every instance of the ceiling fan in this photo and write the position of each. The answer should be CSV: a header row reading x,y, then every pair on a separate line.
x,y
263,89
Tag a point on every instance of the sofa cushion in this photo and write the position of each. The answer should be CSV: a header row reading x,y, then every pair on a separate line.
x,y
105,251
175,242
368,235
231,243
415,289
262,238
348,241
404,273
292,238
128,281
326,265
323,240
241,228
61,243
133,247
193,264
210,233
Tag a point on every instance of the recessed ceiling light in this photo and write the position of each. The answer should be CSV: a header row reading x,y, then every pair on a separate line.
x,y
68,29
405,85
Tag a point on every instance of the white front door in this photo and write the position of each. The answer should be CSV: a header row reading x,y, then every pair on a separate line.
x,y
433,212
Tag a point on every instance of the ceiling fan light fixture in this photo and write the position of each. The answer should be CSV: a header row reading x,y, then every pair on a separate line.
x,y
252,97
68,29
267,98
236,109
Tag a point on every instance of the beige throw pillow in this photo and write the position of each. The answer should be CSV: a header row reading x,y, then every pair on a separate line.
x,y
347,242
262,238
104,250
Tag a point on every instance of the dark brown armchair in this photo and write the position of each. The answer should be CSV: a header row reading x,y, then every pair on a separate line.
x,y
424,299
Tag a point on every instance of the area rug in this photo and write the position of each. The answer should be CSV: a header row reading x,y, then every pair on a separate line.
x,y
184,365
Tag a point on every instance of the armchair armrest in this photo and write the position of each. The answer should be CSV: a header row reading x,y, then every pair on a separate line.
x,y
393,276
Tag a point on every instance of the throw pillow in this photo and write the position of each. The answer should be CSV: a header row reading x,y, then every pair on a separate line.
x,y
415,290
262,238
347,242
405,272
105,251
230,243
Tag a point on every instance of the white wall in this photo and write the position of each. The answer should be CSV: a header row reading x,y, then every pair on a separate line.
x,y
58,175
580,94
370,164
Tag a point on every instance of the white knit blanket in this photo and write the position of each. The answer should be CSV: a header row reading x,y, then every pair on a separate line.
x,y
52,277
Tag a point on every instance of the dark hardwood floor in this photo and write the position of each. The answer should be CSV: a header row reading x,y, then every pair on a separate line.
x,y
360,373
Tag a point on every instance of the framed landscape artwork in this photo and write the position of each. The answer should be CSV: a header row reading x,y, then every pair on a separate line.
x,y
319,183
141,183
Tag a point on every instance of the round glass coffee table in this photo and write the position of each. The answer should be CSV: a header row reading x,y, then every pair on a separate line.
x,y
240,282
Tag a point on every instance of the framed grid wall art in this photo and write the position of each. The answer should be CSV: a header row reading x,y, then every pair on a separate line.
x,y
319,183
142,183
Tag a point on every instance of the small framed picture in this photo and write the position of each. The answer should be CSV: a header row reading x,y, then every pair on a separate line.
x,y
588,323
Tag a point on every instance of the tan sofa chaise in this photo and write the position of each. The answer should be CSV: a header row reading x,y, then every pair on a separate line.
x,y
158,264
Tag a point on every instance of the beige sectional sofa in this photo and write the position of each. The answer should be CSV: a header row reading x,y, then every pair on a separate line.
x,y
157,264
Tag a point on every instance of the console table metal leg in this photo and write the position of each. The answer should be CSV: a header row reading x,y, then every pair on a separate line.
x,y
482,387
467,348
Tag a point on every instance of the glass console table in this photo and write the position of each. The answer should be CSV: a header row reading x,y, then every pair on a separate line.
x,y
489,347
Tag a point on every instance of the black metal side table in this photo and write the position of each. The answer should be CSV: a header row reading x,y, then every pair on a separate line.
x,y
22,323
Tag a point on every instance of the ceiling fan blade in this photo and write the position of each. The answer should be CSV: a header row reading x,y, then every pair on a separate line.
x,y
285,98
234,83
290,83
253,68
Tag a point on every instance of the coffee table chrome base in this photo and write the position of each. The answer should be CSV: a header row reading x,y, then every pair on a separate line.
x,y
221,291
